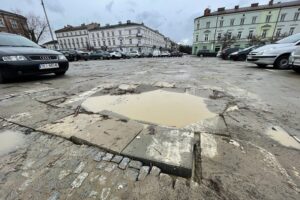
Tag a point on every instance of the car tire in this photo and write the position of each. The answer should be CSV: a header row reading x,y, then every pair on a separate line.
x,y
75,58
261,65
282,62
242,58
60,73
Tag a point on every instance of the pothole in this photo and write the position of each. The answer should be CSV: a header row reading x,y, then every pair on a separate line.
x,y
159,107
10,141
281,136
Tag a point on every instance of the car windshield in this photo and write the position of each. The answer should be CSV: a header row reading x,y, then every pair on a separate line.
x,y
291,39
16,41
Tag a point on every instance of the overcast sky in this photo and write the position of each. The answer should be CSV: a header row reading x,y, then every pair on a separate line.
x,y
173,18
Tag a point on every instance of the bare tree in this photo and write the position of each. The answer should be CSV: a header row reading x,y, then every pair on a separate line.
x,y
37,26
256,40
227,40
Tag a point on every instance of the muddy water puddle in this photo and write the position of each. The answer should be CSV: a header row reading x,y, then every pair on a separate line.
x,y
10,141
280,135
158,106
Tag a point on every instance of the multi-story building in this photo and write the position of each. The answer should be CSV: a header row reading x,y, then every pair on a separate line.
x,y
122,36
13,23
263,22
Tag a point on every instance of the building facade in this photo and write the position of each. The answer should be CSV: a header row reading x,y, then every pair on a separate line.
x,y
261,22
13,23
126,37
53,45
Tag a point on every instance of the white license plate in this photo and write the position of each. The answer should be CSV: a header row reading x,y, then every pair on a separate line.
x,y
49,66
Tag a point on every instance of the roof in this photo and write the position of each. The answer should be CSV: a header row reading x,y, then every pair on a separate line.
x,y
259,7
76,28
14,14
51,42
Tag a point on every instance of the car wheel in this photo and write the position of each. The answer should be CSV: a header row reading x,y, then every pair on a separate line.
x,y
242,58
60,73
282,62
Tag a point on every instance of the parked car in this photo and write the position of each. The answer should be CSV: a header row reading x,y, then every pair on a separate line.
x,y
115,54
241,55
134,54
21,56
67,54
165,54
275,54
295,60
156,53
99,55
79,55
206,53
176,54
226,52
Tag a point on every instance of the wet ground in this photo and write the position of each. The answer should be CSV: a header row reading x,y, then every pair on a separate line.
x,y
229,128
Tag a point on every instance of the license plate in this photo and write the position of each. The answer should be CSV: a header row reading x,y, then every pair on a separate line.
x,y
49,66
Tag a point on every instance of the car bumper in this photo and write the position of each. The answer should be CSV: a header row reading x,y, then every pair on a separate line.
x,y
295,62
268,60
30,68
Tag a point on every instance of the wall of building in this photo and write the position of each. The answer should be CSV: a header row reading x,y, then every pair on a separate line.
x,y
12,23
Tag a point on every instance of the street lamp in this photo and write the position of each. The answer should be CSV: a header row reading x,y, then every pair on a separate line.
x,y
42,2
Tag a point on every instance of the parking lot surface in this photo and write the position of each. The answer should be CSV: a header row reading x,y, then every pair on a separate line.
x,y
57,142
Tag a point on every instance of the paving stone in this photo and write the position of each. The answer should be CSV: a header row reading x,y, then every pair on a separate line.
x,y
79,168
144,171
165,180
124,163
102,180
93,194
155,171
98,157
132,174
101,165
54,196
108,157
135,164
79,180
117,159
110,167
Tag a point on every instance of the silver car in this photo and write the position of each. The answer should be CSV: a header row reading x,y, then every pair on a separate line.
x,y
295,60
275,54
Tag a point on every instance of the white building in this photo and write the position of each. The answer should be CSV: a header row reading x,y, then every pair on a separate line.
x,y
266,22
122,36
53,45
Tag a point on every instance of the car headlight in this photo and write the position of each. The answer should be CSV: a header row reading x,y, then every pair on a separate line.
x,y
13,58
234,53
62,57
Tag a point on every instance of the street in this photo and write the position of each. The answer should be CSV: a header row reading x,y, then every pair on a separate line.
x,y
57,143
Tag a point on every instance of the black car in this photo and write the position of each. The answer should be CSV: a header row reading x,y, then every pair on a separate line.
x,y
99,54
242,54
70,56
226,52
79,55
206,53
20,56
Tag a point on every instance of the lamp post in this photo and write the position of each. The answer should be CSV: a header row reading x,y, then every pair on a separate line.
x,y
42,2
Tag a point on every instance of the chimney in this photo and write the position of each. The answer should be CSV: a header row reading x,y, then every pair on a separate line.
x,y
271,2
207,12
254,5
236,7
221,9
128,21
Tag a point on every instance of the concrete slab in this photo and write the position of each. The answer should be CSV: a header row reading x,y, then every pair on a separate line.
x,y
169,149
110,134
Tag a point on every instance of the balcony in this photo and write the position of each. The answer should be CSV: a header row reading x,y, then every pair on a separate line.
x,y
139,35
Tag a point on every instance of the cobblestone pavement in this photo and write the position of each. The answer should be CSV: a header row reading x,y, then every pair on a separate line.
x,y
237,154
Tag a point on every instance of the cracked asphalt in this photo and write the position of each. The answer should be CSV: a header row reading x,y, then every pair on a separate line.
x,y
235,156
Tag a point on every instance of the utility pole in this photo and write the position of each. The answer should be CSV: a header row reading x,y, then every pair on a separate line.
x,y
48,23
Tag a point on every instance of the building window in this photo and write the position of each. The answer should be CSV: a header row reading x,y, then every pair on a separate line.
x,y
268,18
129,32
254,19
282,17
102,34
206,37
14,23
198,26
204,48
130,41
291,32
296,16
139,41
99,43
264,34
120,32
219,36
239,35
207,24
93,35
278,32
98,35
114,42
2,22
250,34
242,21
221,23
104,43
138,30
197,37
107,33
113,33
121,42
231,22
229,34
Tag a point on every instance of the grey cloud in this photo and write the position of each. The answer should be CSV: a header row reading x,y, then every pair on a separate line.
x,y
153,18
109,6
55,6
